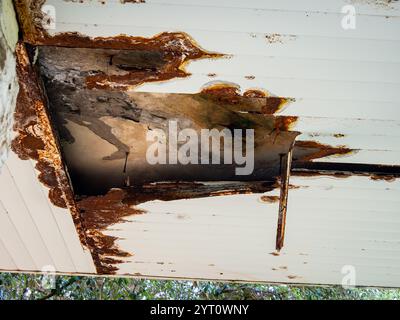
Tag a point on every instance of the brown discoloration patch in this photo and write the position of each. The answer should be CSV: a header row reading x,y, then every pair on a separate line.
x,y
284,123
319,150
30,19
98,213
305,173
388,178
269,199
228,93
171,51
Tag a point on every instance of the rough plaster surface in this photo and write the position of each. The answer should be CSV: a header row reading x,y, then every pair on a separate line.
x,y
8,77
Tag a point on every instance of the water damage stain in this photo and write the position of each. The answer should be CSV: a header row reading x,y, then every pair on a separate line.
x,y
318,150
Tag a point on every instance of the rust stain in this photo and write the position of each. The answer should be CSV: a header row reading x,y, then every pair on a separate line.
x,y
335,174
269,199
229,93
284,123
344,174
388,178
35,139
30,19
175,51
98,213
321,150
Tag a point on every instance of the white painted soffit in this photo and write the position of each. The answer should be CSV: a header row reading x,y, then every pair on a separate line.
x,y
344,82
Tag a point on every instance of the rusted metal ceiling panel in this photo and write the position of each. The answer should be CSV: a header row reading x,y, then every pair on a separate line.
x,y
276,73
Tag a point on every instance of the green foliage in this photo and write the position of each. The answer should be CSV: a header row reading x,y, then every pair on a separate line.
x,y
33,287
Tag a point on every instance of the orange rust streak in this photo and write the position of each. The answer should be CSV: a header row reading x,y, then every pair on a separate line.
x,y
285,123
322,150
98,213
230,94
177,49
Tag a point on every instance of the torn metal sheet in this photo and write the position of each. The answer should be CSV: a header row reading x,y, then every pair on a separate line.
x,y
285,168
